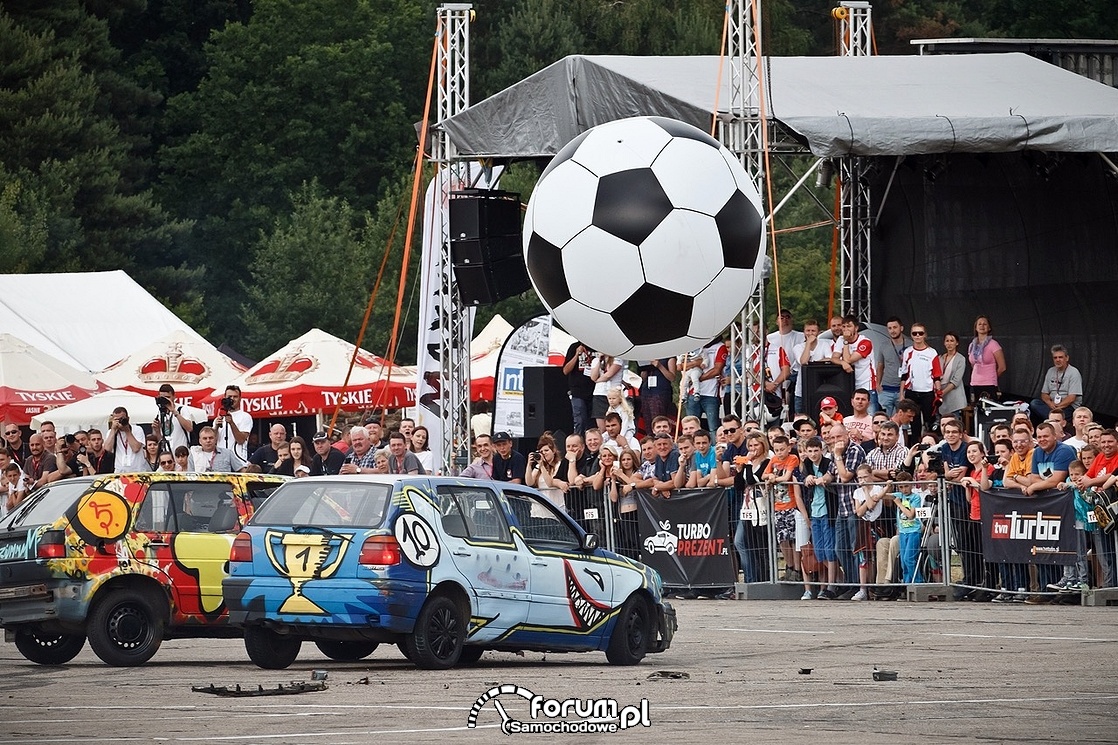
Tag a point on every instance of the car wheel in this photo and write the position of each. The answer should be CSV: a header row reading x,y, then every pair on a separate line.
x,y
346,651
125,628
403,647
439,635
270,650
48,649
632,633
471,653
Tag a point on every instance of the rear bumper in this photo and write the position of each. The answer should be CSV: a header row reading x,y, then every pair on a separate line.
x,y
665,627
43,602
346,605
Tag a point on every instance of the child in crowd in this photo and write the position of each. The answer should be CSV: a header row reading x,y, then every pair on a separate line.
x,y
12,488
829,412
908,526
868,498
691,364
182,458
791,524
1077,576
706,461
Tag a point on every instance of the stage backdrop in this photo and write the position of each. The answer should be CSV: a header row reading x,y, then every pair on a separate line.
x,y
687,538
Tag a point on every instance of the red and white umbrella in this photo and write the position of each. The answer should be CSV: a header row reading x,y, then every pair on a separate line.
x,y
189,364
32,382
306,376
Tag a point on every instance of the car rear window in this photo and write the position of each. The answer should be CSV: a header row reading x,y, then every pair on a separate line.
x,y
46,505
325,504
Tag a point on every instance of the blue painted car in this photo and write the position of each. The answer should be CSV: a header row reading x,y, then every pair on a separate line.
x,y
445,568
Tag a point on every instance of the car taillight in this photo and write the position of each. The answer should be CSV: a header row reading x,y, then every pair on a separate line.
x,y
242,548
380,550
52,545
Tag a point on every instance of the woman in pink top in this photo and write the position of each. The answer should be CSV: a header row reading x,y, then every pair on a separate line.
x,y
987,362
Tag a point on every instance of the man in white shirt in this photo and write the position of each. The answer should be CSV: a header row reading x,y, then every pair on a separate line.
x,y
126,442
170,424
233,426
811,349
207,456
780,348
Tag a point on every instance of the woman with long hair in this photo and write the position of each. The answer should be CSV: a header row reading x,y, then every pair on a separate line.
x,y
545,470
953,368
751,536
618,474
420,447
987,362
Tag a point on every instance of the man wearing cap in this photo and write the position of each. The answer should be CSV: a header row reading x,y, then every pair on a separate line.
x,y
482,467
327,460
508,464
170,427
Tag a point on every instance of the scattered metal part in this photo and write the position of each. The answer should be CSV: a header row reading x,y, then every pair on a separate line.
x,y
884,674
319,674
806,670
669,675
295,686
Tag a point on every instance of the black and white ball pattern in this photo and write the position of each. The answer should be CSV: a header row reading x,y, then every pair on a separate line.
x,y
644,237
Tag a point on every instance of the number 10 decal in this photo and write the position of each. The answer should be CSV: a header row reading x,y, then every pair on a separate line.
x,y
417,540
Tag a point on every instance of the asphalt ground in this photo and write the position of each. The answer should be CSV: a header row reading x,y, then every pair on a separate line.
x,y
965,673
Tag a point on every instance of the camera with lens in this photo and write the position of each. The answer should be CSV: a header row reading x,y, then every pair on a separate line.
x,y
936,464
164,404
227,403
81,450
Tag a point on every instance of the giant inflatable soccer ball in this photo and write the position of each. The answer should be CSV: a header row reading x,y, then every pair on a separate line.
x,y
644,237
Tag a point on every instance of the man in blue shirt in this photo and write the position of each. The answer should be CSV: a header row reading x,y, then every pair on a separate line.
x,y
1051,460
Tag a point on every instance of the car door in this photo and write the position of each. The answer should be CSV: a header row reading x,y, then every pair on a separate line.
x,y
572,589
478,540
207,517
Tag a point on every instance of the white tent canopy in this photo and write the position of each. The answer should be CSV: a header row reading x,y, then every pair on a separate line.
x,y
96,410
875,105
89,320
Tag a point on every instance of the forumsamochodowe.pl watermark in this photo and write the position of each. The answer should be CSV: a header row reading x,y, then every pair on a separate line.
x,y
551,716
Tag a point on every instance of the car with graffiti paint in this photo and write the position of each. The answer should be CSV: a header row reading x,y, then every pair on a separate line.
x,y
444,568
125,560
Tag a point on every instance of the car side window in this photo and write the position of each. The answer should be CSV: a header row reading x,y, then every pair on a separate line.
x,y
472,513
204,507
540,521
157,512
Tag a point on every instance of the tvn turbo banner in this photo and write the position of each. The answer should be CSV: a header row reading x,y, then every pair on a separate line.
x,y
1028,530
687,538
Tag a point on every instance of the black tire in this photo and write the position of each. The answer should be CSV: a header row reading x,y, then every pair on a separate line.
x,y
126,627
471,653
346,651
403,647
439,635
48,649
270,650
632,633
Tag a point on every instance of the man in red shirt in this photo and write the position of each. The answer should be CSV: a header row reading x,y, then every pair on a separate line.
x,y
1104,464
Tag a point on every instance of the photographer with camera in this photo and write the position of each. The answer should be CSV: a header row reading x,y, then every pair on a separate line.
x,y
170,427
233,425
125,441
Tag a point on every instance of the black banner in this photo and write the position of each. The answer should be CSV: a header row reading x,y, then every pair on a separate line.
x,y
1028,530
687,538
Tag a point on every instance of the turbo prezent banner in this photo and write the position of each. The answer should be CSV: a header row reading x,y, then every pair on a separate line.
x,y
686,538
1028,530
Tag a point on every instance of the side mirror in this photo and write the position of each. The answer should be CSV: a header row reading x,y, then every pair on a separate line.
x,y
589,542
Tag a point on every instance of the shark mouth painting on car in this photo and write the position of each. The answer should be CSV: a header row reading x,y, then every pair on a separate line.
x,y
585,610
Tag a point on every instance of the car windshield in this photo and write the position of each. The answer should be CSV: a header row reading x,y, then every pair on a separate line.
x,y
46,505
325,504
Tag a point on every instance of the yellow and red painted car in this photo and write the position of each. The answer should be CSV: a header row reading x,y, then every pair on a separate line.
x,y
125,560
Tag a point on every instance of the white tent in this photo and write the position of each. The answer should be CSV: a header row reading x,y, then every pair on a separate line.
x,y
96,410
89,320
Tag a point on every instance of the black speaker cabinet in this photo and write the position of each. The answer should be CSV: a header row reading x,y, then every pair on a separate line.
x,y
469,251
484,284
477,213
547,407
822,379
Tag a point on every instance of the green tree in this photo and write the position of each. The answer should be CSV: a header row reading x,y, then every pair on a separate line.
x,y
322,90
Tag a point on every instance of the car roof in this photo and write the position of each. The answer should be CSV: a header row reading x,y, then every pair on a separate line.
x,y
402,478
157,476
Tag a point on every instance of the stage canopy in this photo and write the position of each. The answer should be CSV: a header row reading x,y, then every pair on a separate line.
x,y
877,105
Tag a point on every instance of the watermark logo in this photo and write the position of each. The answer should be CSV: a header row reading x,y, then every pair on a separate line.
x,y
550,716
